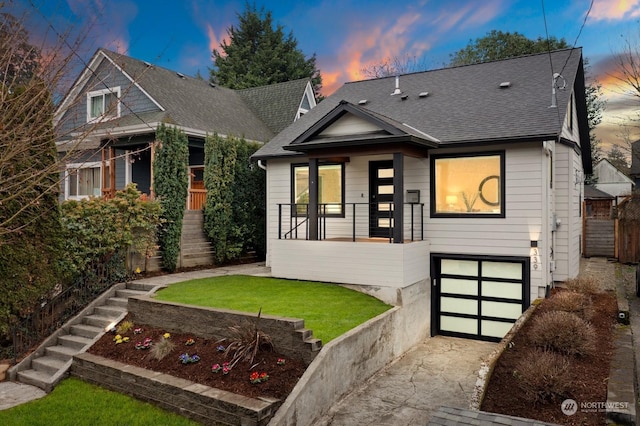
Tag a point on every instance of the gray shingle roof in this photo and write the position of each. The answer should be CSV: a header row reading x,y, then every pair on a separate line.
x,y
277,104
464,104
193,103
593,193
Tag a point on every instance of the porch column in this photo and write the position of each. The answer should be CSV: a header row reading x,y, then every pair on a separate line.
x,y
313,198
398,197
152,149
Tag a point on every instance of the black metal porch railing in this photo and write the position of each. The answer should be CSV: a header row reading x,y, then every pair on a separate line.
x,y
352,222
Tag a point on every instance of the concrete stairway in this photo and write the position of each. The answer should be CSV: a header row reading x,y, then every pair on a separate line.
x,y
195,248
49,364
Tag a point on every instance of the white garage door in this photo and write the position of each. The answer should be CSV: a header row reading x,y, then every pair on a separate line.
x,y
477,297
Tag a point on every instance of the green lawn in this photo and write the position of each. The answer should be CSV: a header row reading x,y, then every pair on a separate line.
x,y
74,402
329,310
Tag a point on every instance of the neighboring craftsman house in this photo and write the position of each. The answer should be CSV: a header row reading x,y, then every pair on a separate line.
x,y
460,186
110,116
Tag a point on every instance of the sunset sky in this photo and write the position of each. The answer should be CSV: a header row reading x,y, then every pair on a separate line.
x,y
348,35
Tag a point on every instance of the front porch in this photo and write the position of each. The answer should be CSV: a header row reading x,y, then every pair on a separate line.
x,y
121,166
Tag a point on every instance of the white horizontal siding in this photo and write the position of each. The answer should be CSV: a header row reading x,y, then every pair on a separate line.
x,y
375,264
499,236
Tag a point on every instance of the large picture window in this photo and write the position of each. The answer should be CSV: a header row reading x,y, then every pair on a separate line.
x,y
103,104
465,185
330,189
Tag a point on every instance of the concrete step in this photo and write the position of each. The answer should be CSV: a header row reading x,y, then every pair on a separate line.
x,y
316,344
193,237
85,330
188,250
60,352
36,378
145,287
48,364
109,311
188,262
125,293
305,333
98,321
73,341
118,301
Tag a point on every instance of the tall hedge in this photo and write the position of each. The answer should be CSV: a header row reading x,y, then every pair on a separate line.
x,y
171,185
30,250
234,212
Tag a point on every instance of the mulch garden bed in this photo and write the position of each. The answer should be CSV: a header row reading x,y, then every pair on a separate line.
x,y
282,376
590,373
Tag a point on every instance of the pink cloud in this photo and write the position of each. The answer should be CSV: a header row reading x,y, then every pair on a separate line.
x,y
615,9
214,41
385,40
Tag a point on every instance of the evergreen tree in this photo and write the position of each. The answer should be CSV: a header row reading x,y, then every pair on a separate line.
x,y
234,213
171,185
259,54
31,252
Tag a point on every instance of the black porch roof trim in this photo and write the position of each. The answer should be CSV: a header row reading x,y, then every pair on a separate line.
x,y
360,141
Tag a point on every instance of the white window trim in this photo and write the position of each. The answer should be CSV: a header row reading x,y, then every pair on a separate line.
x,y
116,91
77,166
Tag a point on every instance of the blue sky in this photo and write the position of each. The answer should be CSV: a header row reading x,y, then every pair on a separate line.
x,y
348,35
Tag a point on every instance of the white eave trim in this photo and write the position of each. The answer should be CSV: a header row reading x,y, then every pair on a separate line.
x,y
136,129
88,71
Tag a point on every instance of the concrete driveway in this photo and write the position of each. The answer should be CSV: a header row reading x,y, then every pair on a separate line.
x,y
440,371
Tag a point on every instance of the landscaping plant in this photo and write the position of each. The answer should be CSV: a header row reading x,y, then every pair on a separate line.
x,y
246,341
544,376
171,183
563,332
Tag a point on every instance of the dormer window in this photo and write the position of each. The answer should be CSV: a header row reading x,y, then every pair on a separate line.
x,y
103,104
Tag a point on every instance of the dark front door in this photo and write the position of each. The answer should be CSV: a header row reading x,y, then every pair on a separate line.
x,y
381,198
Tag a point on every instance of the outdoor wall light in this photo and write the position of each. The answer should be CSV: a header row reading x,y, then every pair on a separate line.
x,y
534,243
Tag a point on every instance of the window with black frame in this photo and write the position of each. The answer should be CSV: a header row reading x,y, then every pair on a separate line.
x,y
467,185
330,189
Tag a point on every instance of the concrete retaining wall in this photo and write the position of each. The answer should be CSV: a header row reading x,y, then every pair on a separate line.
x,y
354,357
199,402
288,335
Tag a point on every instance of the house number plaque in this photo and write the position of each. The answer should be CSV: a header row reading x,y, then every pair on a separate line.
x,y
535,258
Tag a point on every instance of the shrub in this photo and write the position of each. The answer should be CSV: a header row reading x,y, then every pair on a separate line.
x,y
96,229
171,183
162,348
234,212
585,285
563,332
124,327
571,301
543,376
